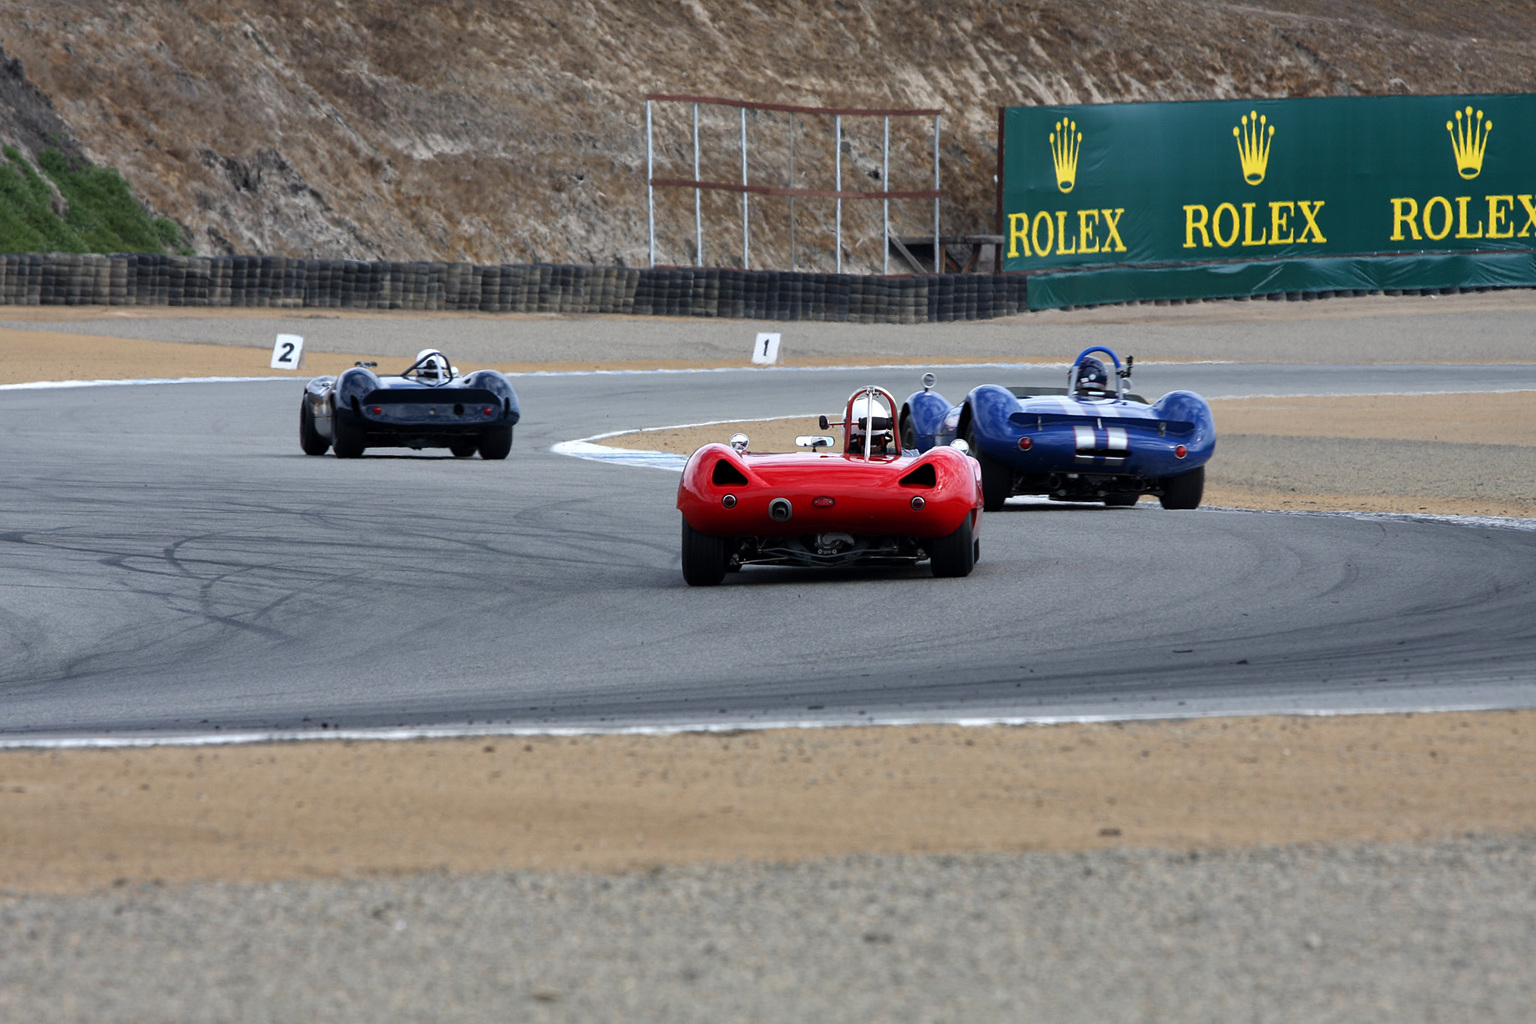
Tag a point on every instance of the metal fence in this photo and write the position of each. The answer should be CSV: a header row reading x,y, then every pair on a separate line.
x,y
69,279
788,190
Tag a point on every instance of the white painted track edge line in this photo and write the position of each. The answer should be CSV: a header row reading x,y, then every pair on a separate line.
x,y
42,385
404,734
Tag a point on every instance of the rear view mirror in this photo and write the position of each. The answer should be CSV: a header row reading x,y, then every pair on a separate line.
x,y
815,441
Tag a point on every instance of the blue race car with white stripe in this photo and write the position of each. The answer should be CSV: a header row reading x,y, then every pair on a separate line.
x,y
1084,442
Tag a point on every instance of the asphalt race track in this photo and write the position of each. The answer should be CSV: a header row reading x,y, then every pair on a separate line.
x,y
170,563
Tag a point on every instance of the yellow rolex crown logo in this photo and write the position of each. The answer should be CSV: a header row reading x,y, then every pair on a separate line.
x,y
1066,141
1253,136
1469,141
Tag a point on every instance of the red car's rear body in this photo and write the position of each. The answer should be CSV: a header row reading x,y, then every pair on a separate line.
x,y
821,508
828,493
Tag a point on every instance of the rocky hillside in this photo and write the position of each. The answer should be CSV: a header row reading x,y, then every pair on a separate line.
x,y
514,132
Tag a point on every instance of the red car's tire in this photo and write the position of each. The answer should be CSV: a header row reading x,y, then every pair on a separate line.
x,y
954,555
309,438
704,558
1184,490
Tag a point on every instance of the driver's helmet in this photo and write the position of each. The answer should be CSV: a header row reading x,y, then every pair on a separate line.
x,y
1092,377
880,418
433,365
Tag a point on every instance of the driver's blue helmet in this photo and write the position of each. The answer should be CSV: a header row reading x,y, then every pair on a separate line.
x,y
1091,376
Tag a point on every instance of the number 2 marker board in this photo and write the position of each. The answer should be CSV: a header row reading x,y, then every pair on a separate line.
x,y
288,353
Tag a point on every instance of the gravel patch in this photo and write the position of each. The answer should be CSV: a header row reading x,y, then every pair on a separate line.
x,y
1474,472
1435,932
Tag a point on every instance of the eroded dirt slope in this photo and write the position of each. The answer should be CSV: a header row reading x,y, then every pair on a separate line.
x,y
514,132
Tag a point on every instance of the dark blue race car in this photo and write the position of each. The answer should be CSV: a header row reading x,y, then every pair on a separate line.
x,y
1084,442
427,406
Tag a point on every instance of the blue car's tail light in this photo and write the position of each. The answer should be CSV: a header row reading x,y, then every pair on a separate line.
x,y
1179,451
1026,443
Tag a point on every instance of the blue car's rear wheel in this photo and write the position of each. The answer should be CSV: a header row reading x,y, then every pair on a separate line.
x,y
996,478
954,555
350,439
496,442
309,438
908,431
704,558
1184,490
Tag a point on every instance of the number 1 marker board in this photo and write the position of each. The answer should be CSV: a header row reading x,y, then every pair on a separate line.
x,y
288,353
766,351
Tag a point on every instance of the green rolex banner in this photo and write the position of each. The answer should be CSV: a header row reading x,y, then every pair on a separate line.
x,y
1185,188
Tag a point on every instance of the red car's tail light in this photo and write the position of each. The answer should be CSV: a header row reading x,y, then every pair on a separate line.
x,y
918,502
823,502
1179,451
1025,444
729,501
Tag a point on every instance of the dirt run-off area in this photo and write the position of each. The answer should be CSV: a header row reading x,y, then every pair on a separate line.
x,y
80,820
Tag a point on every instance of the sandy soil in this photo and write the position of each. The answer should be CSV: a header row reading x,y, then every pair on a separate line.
x,y
80,820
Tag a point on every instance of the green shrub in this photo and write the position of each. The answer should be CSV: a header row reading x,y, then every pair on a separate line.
x,y
103,214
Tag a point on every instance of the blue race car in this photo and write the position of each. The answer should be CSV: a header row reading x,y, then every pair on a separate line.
x,y
428,405
1084,442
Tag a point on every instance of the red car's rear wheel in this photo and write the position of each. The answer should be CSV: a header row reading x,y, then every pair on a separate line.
x,y
703,558
954,555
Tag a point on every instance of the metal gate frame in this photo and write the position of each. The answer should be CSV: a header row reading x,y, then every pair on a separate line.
x,y
746,189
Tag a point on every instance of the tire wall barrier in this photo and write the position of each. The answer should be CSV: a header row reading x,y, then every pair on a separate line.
x,y
134,279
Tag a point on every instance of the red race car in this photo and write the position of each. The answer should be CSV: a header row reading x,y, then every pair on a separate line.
x,y
871,503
